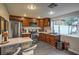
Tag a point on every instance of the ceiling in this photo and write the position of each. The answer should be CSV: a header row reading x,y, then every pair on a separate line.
x,y
42,9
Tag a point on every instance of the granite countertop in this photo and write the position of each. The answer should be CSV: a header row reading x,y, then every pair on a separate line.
x,y
44,32
49,33
17,41
26,33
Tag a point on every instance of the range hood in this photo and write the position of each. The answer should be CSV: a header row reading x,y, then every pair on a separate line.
x,y
32,24
52,5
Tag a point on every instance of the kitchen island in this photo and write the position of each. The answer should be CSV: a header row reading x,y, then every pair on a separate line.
x,y
14,43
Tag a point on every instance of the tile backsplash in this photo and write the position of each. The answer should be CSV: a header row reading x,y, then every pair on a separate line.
x,y
47,29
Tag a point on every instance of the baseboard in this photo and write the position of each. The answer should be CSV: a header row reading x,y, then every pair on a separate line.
x,y
76,52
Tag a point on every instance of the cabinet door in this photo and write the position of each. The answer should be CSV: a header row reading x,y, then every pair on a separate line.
x,y
41,24
46,23
40,37
46,38
38,23
26,22
53,41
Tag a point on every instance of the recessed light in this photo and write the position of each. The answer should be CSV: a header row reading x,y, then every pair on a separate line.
x,y
31,7
51,13
38,17
22,18
25,15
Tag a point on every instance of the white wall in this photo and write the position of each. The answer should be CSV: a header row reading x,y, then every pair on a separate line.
x,y
73,14
3,13
74,43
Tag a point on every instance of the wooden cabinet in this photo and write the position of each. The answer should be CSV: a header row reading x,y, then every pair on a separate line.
x,y
38,22
43,23
48,39
40,38
52,40
46,23
25,22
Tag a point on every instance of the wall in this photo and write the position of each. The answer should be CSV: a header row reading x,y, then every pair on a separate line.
x,y
4,13
73,14
74,43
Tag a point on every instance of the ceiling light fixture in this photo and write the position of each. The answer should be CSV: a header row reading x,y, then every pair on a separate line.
x,y
38,17
22,18
51,13
31,7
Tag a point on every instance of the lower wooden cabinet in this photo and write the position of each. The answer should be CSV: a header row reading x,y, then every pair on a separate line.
x,y
51,39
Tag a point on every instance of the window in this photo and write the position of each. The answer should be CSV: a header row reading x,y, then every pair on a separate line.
x,y
64,29
56,29
65,26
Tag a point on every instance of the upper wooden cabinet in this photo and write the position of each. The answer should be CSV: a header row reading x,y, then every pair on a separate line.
x,y
38,22
25,22
46,23
43,23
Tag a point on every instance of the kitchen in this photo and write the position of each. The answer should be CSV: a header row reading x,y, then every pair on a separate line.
x,y
39,28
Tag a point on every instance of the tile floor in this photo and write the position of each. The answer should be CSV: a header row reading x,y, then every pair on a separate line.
x,y
46,49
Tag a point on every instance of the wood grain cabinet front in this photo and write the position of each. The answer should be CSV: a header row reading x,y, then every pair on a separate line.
x,y
41,23
25,22
47,38
38,22
40,37
46,23
50,39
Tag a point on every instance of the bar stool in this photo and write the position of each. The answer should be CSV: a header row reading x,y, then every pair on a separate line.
x,y
30,50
